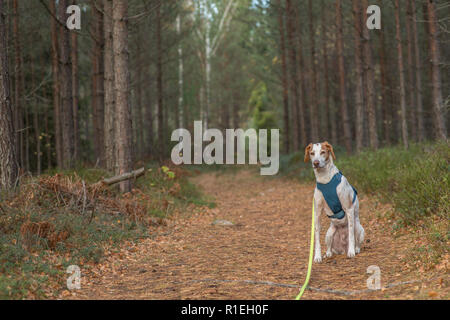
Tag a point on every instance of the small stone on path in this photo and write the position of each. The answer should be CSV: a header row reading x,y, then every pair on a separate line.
x,y
222,223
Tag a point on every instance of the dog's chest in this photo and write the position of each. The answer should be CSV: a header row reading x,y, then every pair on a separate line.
x,y
326,209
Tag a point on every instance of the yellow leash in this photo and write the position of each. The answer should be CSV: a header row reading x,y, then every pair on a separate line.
x,y
308,274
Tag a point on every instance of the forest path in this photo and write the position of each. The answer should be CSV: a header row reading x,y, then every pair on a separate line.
x,y
191,258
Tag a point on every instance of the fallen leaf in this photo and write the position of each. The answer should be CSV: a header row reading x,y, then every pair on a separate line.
x,y
433,294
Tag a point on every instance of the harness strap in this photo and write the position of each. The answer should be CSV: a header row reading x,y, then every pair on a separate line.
x,y
329,192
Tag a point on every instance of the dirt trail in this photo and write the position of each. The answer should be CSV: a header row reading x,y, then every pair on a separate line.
x,y
262,256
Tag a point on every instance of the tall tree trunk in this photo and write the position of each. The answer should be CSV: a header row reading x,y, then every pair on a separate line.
x,y
179,118
359,133
65,80
336,125
149,104
75,93
56,86
418,71
313,107
208,49
121,86
343,95
410,57
294,73
401,72
18,92
9,169
110,110
161,131
428,103
369,82
438,103
301,135
98,101
328,110
37,132
284,79
139,98
149,114
386,91
48,137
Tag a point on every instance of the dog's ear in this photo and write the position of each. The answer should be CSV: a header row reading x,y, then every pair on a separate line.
x,y
329,147
307,150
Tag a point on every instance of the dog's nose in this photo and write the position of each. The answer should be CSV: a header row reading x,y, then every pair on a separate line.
x,y
316,163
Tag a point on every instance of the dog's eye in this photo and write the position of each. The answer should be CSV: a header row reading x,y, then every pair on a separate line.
x,y
322,152
312,153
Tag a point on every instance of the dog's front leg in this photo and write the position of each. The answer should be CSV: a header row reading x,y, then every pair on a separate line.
x,y
317,249
351,232
329,239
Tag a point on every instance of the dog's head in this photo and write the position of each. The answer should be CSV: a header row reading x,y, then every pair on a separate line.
x,y
319,154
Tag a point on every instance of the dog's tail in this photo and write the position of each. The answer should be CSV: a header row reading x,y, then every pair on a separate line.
x,y
340,240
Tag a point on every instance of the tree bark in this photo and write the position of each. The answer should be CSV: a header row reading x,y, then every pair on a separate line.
x,y
161,131
328,110
313,107
18,90
65,80
9,169
301,83
369,82
410,58
121,86
386,91
48,138
98,98
179,114
75,93
37,132
149,111
418,71
341,70
401,73
293,75
110,110
124,176
438,103
359,130
139,98
56,86
284,79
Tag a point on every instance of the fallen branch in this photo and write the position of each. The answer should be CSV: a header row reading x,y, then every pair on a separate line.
x,y
124,176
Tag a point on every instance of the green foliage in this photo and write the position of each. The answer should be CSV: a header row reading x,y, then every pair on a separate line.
x,y
416,180
166,170
263,116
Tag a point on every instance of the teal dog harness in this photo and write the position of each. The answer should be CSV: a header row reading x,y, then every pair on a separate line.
x,y
329,191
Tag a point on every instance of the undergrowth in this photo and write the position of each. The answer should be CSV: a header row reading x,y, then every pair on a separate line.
x,y
59,219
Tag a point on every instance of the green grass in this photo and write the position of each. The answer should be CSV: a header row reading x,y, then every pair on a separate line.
x,y
416,181
29,265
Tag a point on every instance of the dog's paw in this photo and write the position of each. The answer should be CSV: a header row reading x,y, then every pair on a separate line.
x,y
329,254
350,253
357,250
318,259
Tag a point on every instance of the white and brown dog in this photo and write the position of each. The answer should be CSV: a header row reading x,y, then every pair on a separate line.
x,y
338,199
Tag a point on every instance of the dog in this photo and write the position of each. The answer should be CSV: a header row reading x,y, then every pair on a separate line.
x,y
338,199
